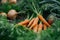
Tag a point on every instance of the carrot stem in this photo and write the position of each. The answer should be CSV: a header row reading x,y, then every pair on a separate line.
x,y
27,16
31,16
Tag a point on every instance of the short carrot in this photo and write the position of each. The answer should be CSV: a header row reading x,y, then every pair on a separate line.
x,y
43,20
50,21
45,27
35,28
40,26
30,23
24,22
35,22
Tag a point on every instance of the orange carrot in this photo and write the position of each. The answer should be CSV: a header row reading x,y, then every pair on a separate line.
x,y
40,26
24,22
43,20
35,22
35,28
30,23
45,27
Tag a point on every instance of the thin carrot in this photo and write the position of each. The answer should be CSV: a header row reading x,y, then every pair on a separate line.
x,y
43,20
45,27
40,26
35,22
30,23
24,22
35,28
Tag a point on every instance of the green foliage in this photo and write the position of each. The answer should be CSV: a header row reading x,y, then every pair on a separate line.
x,y
52,33
10,31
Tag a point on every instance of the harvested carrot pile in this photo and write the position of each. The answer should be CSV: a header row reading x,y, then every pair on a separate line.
x,y
29,20
33,23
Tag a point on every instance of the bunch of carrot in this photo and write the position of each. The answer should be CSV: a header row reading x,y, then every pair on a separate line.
x,y
34,23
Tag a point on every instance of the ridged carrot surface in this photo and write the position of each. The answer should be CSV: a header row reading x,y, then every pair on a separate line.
x,y
35,22
30,23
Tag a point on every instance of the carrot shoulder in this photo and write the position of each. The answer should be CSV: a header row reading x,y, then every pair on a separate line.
x,y
43,20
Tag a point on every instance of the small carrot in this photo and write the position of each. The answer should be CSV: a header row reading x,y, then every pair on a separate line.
x,y
43,20
45,27
35,22
35,28
50,21
24,22
40,26
30,23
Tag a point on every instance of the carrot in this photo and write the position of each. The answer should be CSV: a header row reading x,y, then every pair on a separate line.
x,y
50,21
43,20
35,28
30,23
35,22
24,22
45,27
40,26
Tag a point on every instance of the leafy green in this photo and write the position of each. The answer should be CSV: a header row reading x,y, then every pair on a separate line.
x,y
51,33
10,31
